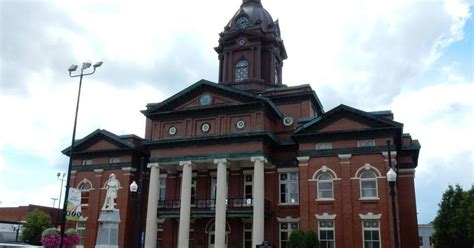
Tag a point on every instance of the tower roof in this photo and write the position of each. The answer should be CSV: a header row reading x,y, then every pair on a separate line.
x,y
256,15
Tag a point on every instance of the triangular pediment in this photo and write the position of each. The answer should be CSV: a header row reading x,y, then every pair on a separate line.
x,y
215,100
205,94
345,118
99,140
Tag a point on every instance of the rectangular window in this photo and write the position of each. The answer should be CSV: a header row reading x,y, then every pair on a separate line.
x,y
289,187
366,143
86,162
326,233
421,241
114,160
81,231
162,195
248,188
285,230
247,234
324,146
193,192
371,233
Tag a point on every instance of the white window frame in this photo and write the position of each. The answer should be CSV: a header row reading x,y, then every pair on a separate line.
x,y
290,224
332,228
248,201
319,181
366,143
324,146
371,229
362,180
289,184
247,221
81,227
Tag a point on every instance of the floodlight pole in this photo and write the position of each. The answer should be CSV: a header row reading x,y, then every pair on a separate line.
x,y
71,149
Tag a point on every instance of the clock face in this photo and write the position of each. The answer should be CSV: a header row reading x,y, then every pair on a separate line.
x,y
242,22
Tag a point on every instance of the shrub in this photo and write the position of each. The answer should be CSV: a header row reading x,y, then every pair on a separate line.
x,y
296,239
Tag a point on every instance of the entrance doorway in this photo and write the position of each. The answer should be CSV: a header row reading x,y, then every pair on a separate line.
x,y
211,231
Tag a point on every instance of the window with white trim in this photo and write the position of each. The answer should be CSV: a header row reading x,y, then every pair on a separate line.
x,y
325,186
241,70
366,143
289,187
247,234
326,233
248,188
368,184
85,186
81,231
162,193
324,146
285,230
371,233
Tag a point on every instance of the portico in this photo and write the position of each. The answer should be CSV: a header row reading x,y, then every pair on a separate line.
x,y
254,164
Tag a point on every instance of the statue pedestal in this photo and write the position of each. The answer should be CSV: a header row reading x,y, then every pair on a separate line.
x,y
107,237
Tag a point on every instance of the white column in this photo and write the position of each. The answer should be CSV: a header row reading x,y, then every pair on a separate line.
x,y
258,200
220,220
152,206
185,212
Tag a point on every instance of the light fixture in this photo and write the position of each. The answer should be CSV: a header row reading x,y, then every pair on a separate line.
x,y
72,68
98,64
391,176
86,65
133,187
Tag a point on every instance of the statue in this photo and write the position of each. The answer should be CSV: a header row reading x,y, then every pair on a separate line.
x,y
112,187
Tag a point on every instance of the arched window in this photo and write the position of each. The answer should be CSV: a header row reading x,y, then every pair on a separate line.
x,y
325,186
85,186
241,70
368,184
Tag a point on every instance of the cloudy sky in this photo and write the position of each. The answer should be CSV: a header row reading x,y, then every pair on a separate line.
x,y
413,57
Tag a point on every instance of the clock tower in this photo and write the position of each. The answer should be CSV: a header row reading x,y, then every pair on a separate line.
x,y
251,51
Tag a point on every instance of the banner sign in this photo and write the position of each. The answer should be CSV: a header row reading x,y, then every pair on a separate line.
x,y
73,210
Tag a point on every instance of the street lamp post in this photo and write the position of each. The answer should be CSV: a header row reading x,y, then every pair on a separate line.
x,y
392,179
71,69
138,188
61,178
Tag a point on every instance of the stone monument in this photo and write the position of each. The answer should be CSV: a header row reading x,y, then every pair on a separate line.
x,y
109,218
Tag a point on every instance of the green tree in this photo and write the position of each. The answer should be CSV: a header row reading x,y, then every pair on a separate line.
x,y
296,239
36,222
454,224
311,239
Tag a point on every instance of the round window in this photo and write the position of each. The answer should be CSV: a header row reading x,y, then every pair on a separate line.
x,y
205,127
205,100
172,130
288,121
240,124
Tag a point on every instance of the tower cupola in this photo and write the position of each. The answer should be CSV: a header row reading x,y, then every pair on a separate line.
x,y
251,51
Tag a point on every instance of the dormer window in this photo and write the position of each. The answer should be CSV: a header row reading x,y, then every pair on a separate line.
x,y
241,70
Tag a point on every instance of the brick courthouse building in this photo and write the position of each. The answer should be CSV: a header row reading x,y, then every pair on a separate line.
x,y
248,159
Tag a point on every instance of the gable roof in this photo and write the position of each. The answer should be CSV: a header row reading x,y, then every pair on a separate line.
x,y
153,108
344,110
97,134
